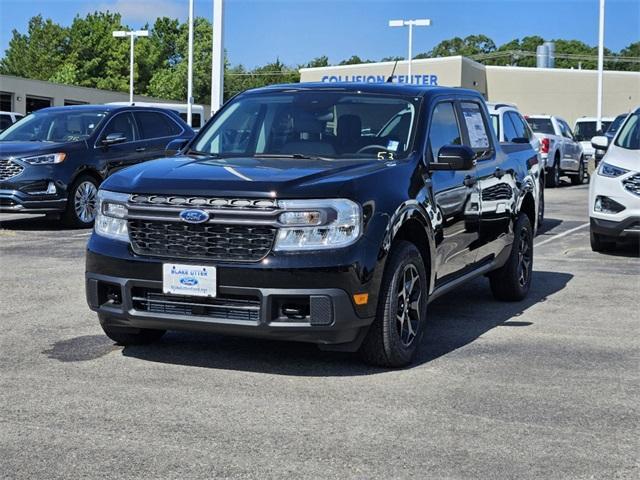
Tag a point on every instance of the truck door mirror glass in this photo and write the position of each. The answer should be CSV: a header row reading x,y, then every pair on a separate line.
x,y
114,138
174,146
600,142
454,157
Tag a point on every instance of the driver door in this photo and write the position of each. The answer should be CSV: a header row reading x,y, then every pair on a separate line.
x,y
114,157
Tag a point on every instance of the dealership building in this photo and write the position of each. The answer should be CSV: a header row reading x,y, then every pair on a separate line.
x,y
571,94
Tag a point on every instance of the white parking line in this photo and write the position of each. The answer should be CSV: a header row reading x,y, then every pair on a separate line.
x,y
82,234
560,235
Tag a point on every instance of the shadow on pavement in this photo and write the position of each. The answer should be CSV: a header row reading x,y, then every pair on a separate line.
x,y
625,248
40,223
548,224
452,325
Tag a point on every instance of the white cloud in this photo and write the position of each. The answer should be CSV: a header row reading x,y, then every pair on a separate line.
x,y
143,11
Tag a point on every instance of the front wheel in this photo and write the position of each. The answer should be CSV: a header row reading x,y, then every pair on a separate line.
x,y
512,281
82,203
579,178
553,176
394,336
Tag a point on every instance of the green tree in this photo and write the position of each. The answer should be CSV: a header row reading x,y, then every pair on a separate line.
x,y
322,61
354,60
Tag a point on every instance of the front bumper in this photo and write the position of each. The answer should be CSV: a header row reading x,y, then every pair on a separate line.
x,y
252,299
27,191
629,227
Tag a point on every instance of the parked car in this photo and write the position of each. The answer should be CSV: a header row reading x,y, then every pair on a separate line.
x,y
8,118
610,133
281,220
560,150
54,160
585,129
197,111
511,127
614,191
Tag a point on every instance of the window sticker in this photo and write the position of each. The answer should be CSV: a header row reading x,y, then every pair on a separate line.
x,y
392,145
477,132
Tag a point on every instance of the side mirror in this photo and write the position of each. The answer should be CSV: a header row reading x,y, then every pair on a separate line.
x,y
454,157
113,138
175,145
600,142
520,140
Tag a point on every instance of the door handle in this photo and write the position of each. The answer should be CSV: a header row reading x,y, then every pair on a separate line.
x,y
469,181
499,173
141,149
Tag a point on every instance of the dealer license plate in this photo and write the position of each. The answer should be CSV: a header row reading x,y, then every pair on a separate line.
x,y
191,280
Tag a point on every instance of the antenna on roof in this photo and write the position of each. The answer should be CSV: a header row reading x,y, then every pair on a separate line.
x,y
390,79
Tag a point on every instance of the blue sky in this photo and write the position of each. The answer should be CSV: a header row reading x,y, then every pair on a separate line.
x,y
258,31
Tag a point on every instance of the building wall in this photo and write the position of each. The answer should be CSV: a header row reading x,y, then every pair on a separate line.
x,y
568,93
20,88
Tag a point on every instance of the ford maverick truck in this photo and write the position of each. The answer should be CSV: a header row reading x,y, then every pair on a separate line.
x,y
329,214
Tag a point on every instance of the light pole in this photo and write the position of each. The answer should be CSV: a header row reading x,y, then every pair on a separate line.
x,y
132,35
600,66
190,66
419,22
217,57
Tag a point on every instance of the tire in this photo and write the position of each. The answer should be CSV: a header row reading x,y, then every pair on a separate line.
x,y
81,203
394,336
512,281
132,336
601,243
553,176
579,178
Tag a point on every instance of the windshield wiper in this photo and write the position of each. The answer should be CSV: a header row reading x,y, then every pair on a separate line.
x,y
297,156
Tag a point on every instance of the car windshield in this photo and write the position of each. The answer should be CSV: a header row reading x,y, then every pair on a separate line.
x,y
57,126
305,123
586,130
615,125
629,136
541,125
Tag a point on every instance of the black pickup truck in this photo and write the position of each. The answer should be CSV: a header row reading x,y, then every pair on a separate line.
x,y
315,213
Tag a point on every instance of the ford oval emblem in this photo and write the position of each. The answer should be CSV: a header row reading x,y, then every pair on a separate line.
x,y
194,216
189,281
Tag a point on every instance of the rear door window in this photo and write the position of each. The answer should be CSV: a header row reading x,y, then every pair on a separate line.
x,y
444,129
510,131
519,126
156,125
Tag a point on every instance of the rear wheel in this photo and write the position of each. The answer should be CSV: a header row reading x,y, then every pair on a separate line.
x,y
82,203
601,243
579,178
394,336
553,176
132,336
513,281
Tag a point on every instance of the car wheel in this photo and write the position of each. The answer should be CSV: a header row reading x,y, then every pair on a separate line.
x,y
132,336
579,178
601,243
512,281
553,176
82,203
394,336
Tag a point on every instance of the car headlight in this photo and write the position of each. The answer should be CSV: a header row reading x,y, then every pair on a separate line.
x,y
608,170
48,159
318,224
111,217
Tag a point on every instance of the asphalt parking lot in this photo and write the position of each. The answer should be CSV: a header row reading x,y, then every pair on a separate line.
x,y
546,388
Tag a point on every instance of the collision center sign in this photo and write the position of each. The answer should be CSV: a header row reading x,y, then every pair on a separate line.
x,y
417,79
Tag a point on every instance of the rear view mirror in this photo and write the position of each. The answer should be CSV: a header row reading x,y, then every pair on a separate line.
x,y
175,145
114,138
454,157
600,142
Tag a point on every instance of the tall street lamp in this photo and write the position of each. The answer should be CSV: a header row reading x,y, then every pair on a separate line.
x,y
600,65
420,22
190,66
217,57
132,35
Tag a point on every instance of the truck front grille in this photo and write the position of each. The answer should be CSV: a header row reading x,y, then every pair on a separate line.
x,y
632,184
208,241
238,309
9,169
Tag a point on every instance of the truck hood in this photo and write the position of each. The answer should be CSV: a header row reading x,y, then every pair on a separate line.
x,y
24,149
245,177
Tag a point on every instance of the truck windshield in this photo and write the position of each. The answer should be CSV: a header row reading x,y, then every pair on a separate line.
x,y
586,130
60,126
541,125
307,123
629,136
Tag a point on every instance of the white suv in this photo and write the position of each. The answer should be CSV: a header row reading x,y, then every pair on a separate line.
x,y
614,191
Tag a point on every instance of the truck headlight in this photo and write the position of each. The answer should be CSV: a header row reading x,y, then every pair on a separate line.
x,y
318,224
48,159
608,170
111,218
